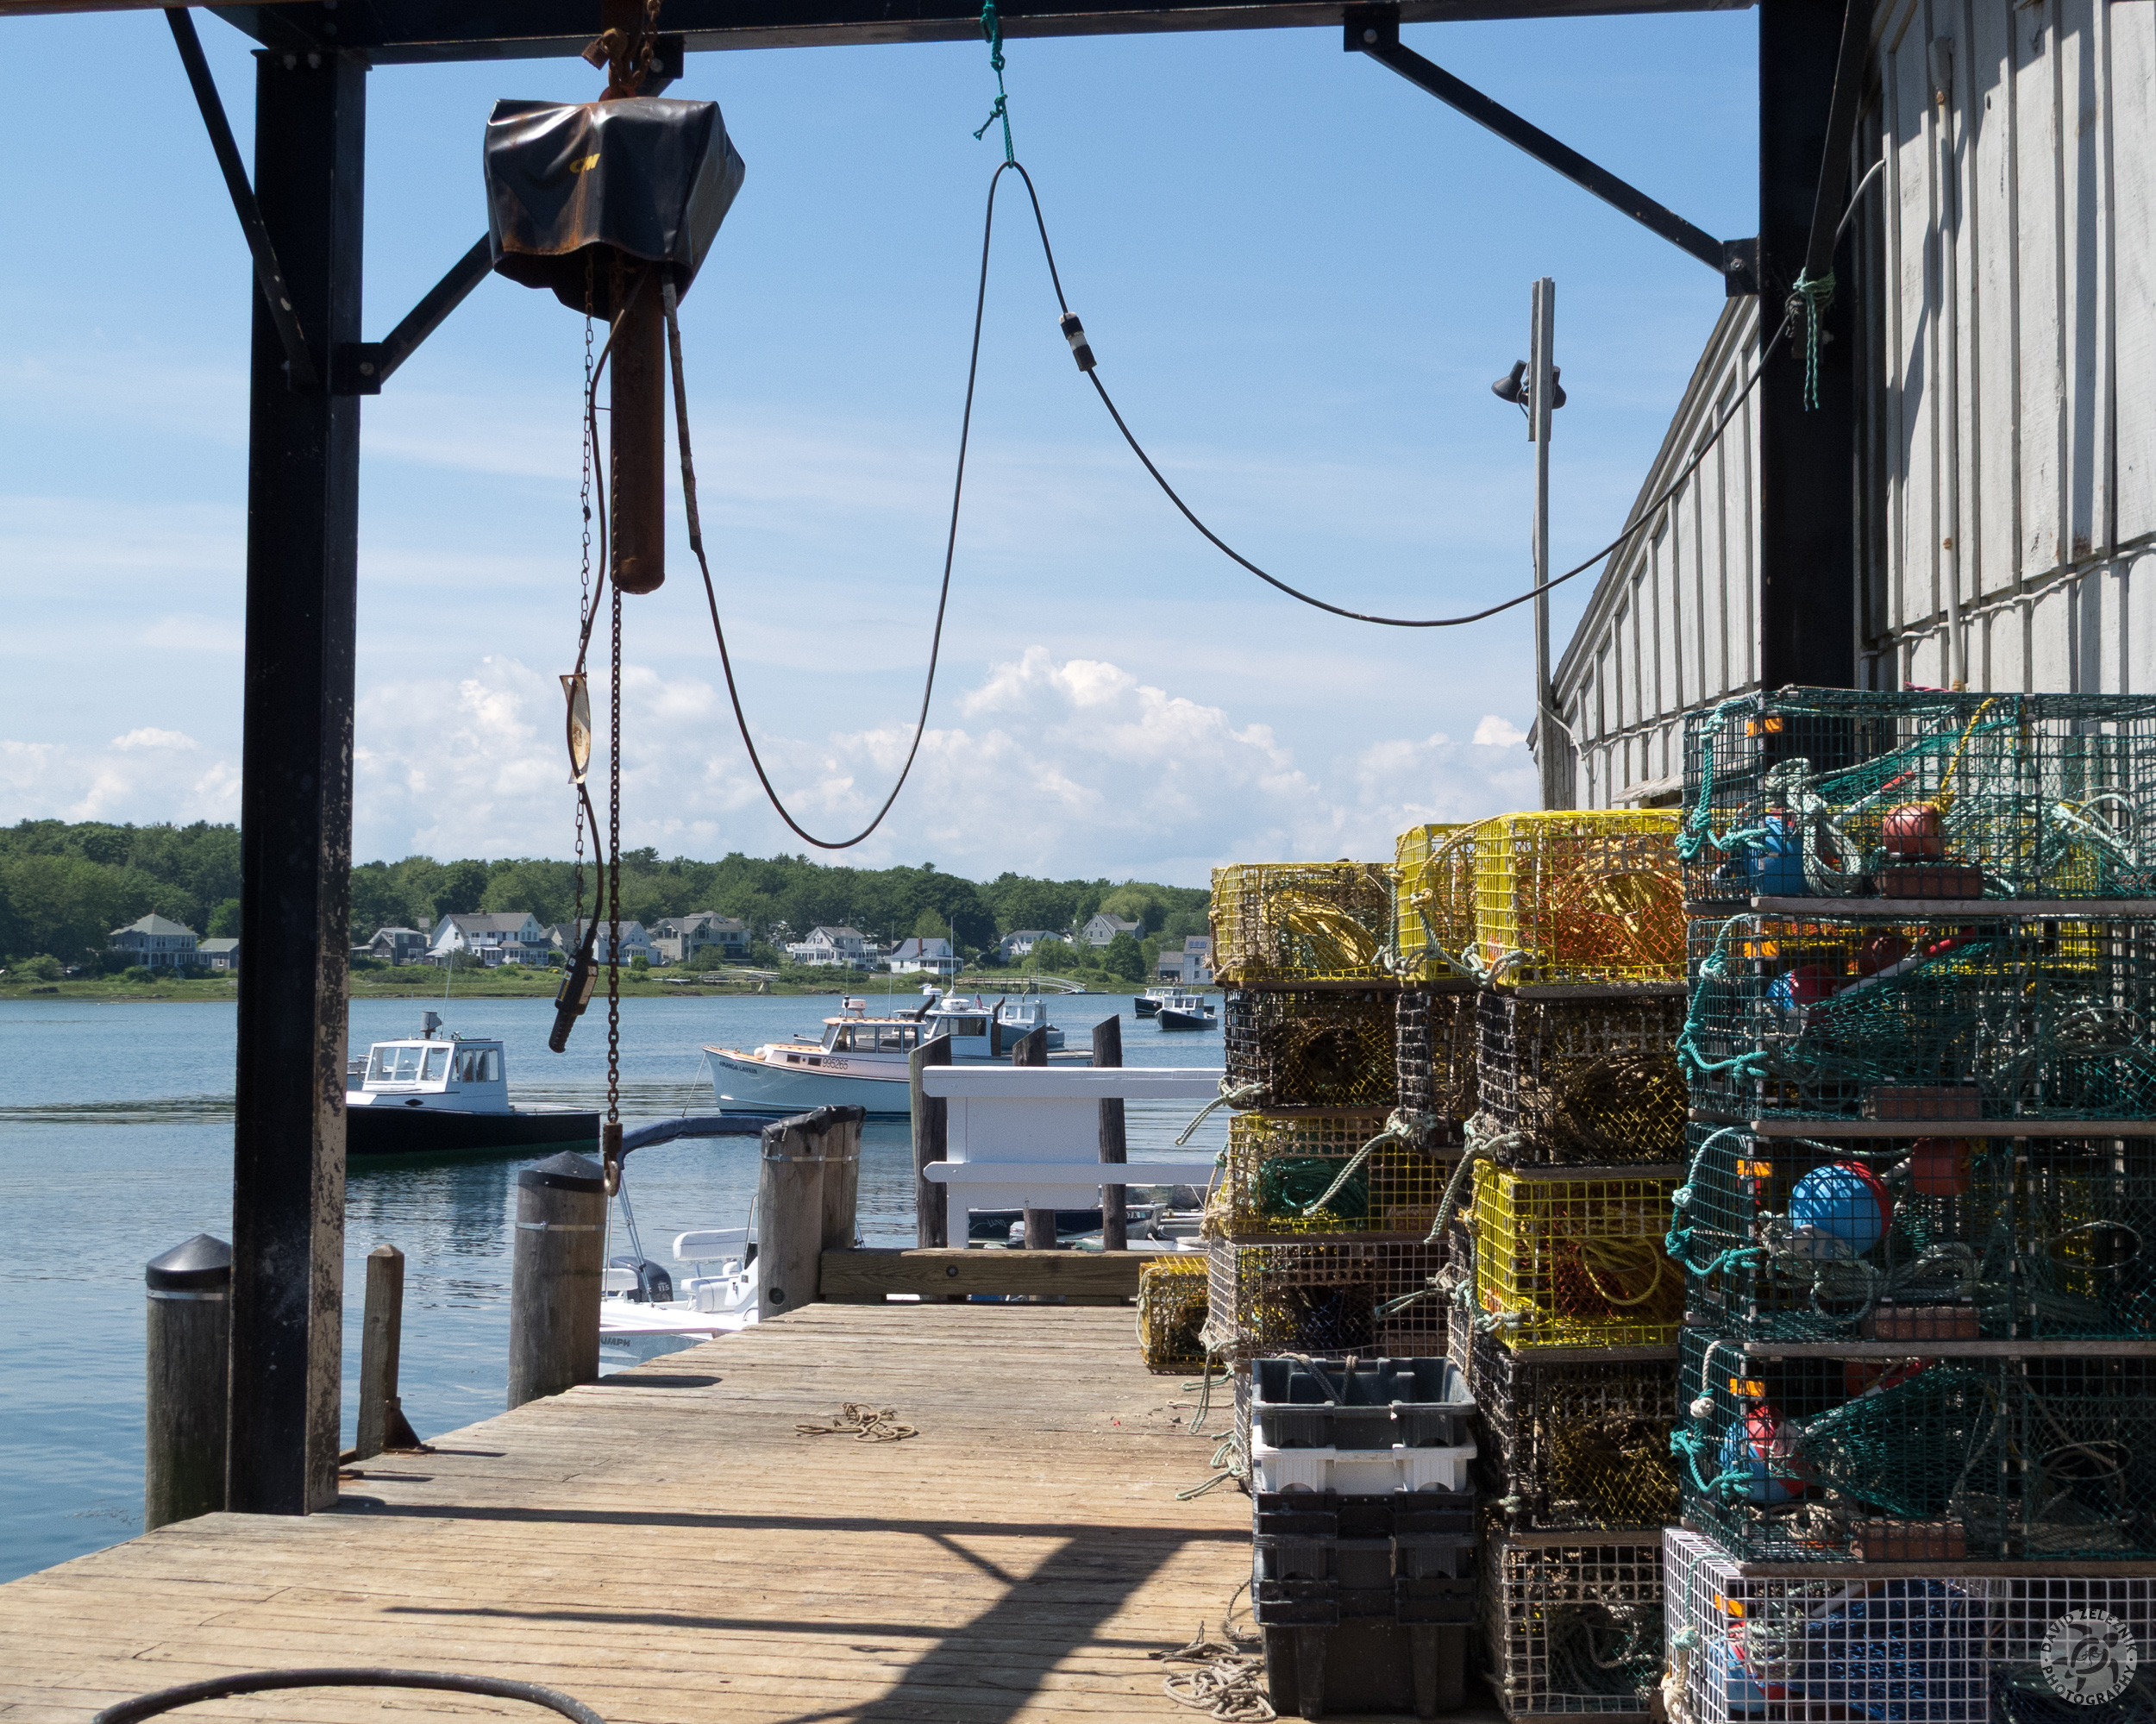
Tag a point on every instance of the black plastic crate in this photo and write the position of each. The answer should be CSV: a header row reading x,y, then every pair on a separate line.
x,y
1325,1604
1312,1049
1398,1514
1376,1403
1363,1565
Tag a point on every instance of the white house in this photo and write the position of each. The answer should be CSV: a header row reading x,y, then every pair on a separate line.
x,y
1101,928
923,957
514,936
700,937
219,954
830,948
1192,965
1019,943
155,943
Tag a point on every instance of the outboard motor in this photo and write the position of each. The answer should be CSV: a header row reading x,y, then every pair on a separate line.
x,y
654,1285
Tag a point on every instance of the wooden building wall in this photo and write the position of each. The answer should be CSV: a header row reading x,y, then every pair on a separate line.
x,y
2039,171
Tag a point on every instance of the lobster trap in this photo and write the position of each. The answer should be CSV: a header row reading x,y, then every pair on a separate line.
x,y
1578,1445
1930,1240
1324,1296
1583,896
1570,1257
1433,900
1288,922
1848,793
1278,1166
1333,1049
1782,1651
1171,1312
1434,1051
1583,1080
1573,1627
1919,1460
1980,1018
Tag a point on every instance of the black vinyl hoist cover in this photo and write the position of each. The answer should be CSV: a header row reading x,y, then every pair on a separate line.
x,y
641,176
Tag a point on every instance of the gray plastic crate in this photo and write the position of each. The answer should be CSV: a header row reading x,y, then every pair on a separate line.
x,y
1417,1403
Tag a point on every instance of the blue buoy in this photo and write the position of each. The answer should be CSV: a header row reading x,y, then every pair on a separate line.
x,y
1778,866
1843,1202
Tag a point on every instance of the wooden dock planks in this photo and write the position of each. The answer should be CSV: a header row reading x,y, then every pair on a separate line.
x,y
665,1547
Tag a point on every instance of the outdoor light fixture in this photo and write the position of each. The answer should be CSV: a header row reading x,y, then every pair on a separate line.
x,y
1513,386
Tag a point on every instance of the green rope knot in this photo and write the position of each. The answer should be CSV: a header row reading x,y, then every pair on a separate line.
x,y
992,32
1814,297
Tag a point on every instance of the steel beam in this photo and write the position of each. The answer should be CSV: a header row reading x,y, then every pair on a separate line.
x,y
295,803
1808,562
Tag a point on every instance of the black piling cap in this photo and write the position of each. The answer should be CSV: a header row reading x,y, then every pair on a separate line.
x,y
564,1172
202,1261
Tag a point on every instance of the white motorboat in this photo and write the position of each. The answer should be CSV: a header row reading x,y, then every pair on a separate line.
x,y
863,1059
432,1094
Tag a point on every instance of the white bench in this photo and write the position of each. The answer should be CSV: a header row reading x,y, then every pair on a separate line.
x,y
1028,1136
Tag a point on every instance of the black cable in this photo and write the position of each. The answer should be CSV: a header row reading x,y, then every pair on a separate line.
x,y
257,1681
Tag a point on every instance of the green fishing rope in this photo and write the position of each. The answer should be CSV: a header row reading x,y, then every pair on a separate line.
x,y
992,32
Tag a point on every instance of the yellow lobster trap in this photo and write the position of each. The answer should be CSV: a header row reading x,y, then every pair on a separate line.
x,y
1171,1313
1301,922
1574,1257
1277,1166
1434,899
1591,896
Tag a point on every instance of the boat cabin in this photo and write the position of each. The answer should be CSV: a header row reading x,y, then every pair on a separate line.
x,y
430,1070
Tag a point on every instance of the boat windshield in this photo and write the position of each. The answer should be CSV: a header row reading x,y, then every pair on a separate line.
x,y
393,1064
479,1065
438,1064
842,1036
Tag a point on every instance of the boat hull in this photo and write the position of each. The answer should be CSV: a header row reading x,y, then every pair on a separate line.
x,y
749,1086
1169,1019
1144,1007
395,1131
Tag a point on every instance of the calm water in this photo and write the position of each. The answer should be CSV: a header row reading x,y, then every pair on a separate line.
x,y
115,1144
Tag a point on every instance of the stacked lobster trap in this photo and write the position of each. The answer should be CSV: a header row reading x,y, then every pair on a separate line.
x,y
1917,1221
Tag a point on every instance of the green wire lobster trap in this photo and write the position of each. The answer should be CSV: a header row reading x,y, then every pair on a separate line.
x,y
1573,1628
1577,1445
1918,1459
1278,1169
1171,1313
1585,897
1321,1049
1435,1056
1331,1296
1574,1257
1929,1240
1301,922
1847,794
1975,1020
1583,1080
1433,900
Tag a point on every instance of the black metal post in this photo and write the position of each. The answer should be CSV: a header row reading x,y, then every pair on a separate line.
x,y
296,801
1808,570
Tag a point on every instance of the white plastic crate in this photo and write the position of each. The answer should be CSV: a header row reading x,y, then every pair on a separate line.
x,y
1361,1472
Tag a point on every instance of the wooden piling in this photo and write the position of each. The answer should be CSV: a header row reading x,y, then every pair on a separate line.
x,y
1108,1050
841,1178
1031,1048
382,1423
554,1277
188,1369
932,1143
797,1155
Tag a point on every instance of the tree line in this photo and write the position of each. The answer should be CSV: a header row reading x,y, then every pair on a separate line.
x,y
64,886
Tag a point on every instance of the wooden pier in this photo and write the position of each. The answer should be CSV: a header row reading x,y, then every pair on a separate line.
x,y
666,1545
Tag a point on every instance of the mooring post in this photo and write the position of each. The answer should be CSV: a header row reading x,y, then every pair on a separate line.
x,y
554,1287
932,1143
1108,1050
841,1177
188,1361
790,1211
382,1423
1031,1048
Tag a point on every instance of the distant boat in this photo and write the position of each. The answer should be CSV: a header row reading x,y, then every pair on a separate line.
x,y
1180,1010
1148,1002
430,1095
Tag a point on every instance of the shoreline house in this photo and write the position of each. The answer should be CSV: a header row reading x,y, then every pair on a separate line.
x,y
700,937
1192,965
396,946
513,937
155,943
923,957
566,936
830,948
221,954
1101,928
1019,944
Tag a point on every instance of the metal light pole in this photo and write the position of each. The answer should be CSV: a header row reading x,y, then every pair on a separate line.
x,y
1541,398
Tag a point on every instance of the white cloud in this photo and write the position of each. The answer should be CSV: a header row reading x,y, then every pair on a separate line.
x,y
133,779
1494,732
150,737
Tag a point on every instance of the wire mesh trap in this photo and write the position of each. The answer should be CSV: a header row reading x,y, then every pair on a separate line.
x,y
1583,1080
1285,922
1848,793
1277,1168
1927,1240
1434,1054
1171,1312
1933,1460
1806,1652
1574,1259
1577,1446
1325,1296
1587,896
1329,1049
1923,1020
1573,1627
1433,900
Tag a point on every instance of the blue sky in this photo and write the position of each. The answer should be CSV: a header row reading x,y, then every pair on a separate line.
x,y
1299,274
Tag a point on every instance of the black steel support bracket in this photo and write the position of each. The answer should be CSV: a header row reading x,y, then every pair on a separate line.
x,y
298,362
1841,128
361,367
1375,30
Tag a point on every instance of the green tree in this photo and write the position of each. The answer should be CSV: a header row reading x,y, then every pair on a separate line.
x,y
224,920
463,886
928,926
1123,959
